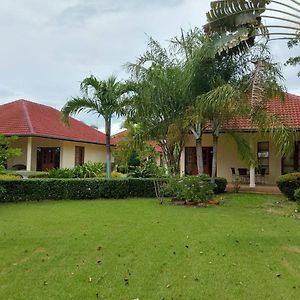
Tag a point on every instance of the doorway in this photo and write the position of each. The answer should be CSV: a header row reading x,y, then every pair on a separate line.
x,y
191,160
48,158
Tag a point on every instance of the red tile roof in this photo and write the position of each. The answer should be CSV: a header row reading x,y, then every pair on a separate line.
x,y
116,138
26,118
288,111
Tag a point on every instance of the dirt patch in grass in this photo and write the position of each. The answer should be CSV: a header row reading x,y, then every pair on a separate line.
x,y
40,250
196,204
293,249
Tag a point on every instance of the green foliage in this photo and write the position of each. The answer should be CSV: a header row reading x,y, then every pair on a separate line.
x,y
115,174
192,188
60,173
2,190
10,177
220,185
6,151
133,159
297,198
39,175
293,61
148,169
158,100
59,189
89,170
101,97
288,184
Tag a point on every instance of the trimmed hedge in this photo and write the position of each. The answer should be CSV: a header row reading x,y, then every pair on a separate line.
x,y
288,184
94,188
76,189
221,184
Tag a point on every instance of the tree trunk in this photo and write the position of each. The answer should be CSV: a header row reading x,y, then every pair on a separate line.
x,y
107,141
199,156
214,161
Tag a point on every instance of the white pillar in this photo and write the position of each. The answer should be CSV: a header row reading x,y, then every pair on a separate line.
x,y
182,163
29,154
252,177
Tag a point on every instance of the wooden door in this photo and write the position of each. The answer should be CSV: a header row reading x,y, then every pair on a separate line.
x,y
191,160
48,159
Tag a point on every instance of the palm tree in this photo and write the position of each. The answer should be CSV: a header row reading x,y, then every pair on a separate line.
x,y
238,22
101,97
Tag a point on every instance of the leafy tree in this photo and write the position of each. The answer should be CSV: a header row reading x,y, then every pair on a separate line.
x,y
157,103
6,151
102,97
132,150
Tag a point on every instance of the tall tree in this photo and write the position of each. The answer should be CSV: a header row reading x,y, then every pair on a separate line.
x,y
157,103
102,97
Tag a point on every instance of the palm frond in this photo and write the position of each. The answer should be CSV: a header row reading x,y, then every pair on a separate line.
x,y
77,105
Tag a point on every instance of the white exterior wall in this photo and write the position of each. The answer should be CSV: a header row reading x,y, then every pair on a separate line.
x,y
94,153
228,156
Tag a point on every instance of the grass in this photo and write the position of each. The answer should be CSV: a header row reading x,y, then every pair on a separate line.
x,y
249,248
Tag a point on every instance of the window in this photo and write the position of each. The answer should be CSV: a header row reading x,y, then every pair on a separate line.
x,y
263,156
79,156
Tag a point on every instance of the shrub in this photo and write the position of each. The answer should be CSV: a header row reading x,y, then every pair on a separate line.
x,y
288,184
192,188
297,198
10,177
115,174
89,170
60,189
221,184
148,169
39,175
60,173
2,190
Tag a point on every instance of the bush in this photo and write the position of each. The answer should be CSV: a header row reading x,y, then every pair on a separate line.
x,y
10,177
115,174
221,184
192,188
297,198
64,189
39,175
148,169
60,173
288,184
89,170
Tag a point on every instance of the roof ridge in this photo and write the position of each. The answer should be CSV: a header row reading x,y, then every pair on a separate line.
x,y
27,115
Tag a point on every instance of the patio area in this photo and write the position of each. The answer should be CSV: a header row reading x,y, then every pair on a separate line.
x,y
259,189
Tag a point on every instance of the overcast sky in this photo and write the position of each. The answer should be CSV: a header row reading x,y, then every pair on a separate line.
x,y
48,47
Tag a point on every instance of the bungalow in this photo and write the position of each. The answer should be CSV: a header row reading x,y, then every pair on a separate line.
x,y
269,160
46,142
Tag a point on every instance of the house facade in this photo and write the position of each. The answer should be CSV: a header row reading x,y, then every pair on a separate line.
x,y
268,157
45,141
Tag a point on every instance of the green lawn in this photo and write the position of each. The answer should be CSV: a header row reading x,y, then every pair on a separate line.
x,y
249,248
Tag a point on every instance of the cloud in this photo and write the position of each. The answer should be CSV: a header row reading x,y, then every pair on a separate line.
x,y
86,10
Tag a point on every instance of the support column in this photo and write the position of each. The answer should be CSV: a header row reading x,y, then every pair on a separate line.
x,y
182,163
252,177
29,154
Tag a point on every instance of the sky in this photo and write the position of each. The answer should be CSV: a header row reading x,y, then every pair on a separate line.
x,y
49,47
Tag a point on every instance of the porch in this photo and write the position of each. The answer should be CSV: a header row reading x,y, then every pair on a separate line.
x,y
259,189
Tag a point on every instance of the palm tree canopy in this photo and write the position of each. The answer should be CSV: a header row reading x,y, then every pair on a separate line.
x,y
238,22
102,97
